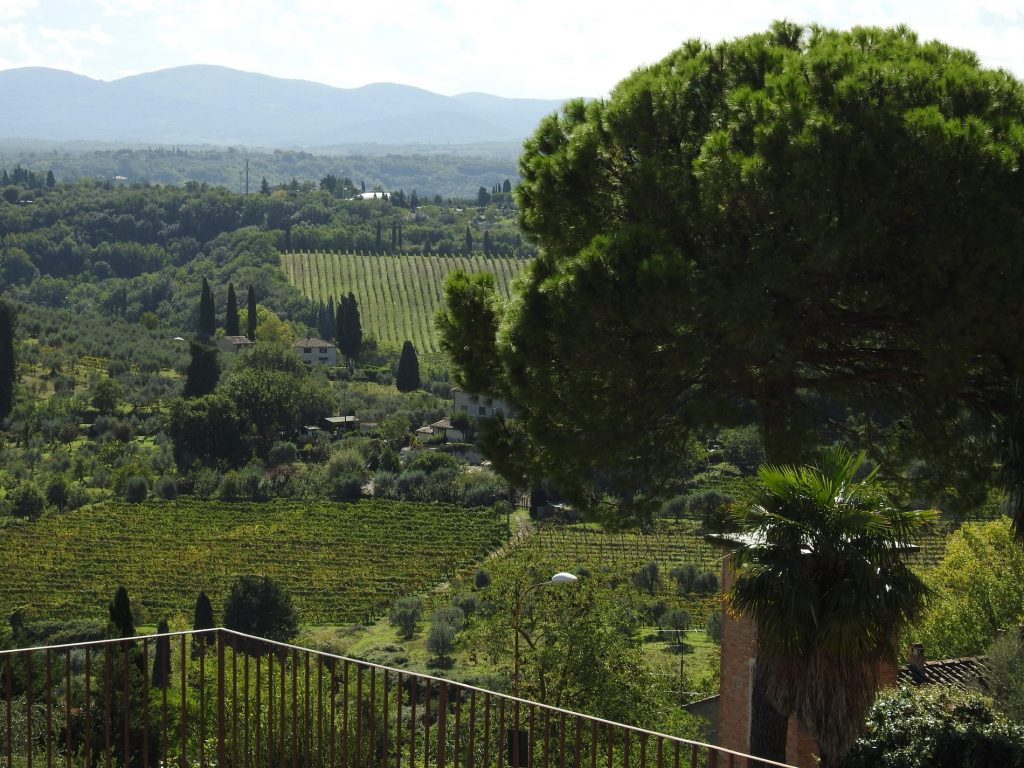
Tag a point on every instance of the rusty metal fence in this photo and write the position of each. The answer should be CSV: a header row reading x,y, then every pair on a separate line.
x,y
218,697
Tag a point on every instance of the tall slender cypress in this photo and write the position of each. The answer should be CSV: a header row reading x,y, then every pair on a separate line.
x,y
202,618
250,325
207,312
162,657
407,377
231,315
8,367
121,621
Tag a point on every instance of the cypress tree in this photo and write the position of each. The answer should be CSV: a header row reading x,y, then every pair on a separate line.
x,y
207,312
487,242
407,377
202,618
469,242
354,328
162,657
231,316
340,332
8,367
264,187
250,329
331,321
203,370
378,237
121,622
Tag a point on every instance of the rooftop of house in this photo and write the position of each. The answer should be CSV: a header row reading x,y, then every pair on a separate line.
x,y
312,341
242,341
965,672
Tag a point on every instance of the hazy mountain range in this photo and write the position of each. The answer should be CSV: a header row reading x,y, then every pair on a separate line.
x,y
216,105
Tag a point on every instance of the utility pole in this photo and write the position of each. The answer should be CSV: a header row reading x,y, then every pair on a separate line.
x,y
247,175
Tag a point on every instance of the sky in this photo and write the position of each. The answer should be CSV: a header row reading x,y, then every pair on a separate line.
x,y
512,48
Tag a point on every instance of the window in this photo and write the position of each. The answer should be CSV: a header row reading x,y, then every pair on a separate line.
x,y
323,350
307,350
483,410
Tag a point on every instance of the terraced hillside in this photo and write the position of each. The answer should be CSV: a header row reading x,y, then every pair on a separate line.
x,y
398,295
341,562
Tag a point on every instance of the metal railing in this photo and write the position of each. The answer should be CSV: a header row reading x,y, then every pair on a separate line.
x,y
218,697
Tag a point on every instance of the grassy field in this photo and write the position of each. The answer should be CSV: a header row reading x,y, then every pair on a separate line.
x,y
342,563
398,295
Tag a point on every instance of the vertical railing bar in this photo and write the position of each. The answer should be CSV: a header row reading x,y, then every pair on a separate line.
x,y
165,681
531,747
593,744
547,738
108,703
643,750
561,740
625,749
413,694
610,745
732,760
245,704
472,729
661,752
184,706
502,731
234,705
344,717
125,703
693,756
202,701
398,719
88,707
271,712
334,694
295,706
359,715
221,701
426,723
282,710
9,705
487,732
442,723
307,729
28,706
259,710
384,723
458,726
67,708
372,746
49,709
320,711
145,703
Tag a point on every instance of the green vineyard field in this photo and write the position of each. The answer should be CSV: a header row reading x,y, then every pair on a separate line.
x,y
398,295
341,563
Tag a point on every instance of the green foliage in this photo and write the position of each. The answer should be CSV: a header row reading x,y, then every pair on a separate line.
x,y
677,622
725,240
207,312
260,606
444,627
977,589
329,556
1006,673
203,370
136,489
936,727
8,366
648,578
207,429
122,623
821,575
405,615
231,327
714,627
407,377
106,394
25,500
398,294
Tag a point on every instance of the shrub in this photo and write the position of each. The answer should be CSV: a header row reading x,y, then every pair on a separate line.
x,y
648,578
260,606
441,637
936,727
482,579
714,627
136,489
1006,673
25,500
230,487
346,487
206,483
166,488
405,615
466,602
282,453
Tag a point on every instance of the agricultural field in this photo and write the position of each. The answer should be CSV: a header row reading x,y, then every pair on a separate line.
x,y
342,563
398,296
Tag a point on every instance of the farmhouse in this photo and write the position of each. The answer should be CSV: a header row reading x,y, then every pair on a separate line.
x,y
479,406
337,425
316,351
234,344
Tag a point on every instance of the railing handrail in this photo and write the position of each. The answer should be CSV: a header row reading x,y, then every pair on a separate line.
x,y
762,761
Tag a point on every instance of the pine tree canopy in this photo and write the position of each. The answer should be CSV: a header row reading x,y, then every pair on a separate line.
x,y
817,231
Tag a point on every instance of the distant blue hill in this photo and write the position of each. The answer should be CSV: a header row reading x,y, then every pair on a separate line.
x,y
216,105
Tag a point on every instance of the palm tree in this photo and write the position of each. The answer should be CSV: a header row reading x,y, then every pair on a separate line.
x,y
821,575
